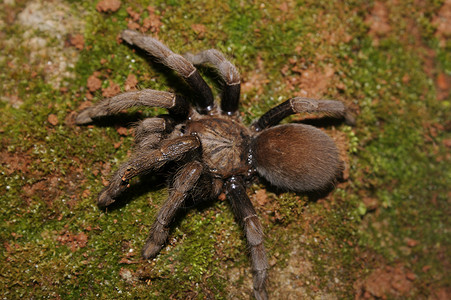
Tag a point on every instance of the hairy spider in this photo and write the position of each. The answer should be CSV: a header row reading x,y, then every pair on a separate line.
x,y
215,152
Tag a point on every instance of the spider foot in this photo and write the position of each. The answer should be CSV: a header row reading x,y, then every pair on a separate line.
x,y
261,294
108,195
150,250
259,285
83,117
154,243
104,199
260,267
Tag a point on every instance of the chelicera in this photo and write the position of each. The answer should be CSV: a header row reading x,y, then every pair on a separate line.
x,y
214,151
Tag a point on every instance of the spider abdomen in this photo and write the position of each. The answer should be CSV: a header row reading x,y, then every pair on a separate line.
x,y
214,151
296,157
225,145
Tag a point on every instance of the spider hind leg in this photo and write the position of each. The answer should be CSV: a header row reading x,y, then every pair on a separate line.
x,y
301,105
246,214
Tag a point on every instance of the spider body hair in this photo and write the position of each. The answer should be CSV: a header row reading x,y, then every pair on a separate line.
x,y
214,152
296,157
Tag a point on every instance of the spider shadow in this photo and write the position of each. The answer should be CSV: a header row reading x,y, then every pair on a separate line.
x,y
190,205
144,185
119,120
172,80
312,196
175,82
155,182
322,122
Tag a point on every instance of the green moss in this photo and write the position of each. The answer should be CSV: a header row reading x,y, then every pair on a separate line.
x,y
57,243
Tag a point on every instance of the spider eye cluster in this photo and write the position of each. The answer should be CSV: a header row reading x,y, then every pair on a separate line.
x,y
213,150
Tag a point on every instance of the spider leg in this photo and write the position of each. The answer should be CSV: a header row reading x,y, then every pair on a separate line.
x,y
228,72
245,212
300,105
153,159
149,132
109,106
175,62
184,181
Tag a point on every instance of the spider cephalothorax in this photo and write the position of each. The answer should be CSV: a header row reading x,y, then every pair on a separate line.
x,y
214,149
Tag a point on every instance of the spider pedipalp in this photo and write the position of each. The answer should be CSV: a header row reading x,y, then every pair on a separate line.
x,y
211,146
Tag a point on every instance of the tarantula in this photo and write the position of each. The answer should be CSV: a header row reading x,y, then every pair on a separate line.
x,y
214,151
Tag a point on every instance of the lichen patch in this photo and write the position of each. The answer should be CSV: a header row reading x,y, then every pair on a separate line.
x,y
46,28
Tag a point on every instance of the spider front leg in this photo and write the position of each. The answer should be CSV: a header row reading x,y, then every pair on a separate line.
x,y
175,62
151,98
246,214
228,72
169,150
150,132
184,181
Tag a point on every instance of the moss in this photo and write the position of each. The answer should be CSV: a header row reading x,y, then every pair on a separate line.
x,y
57,243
